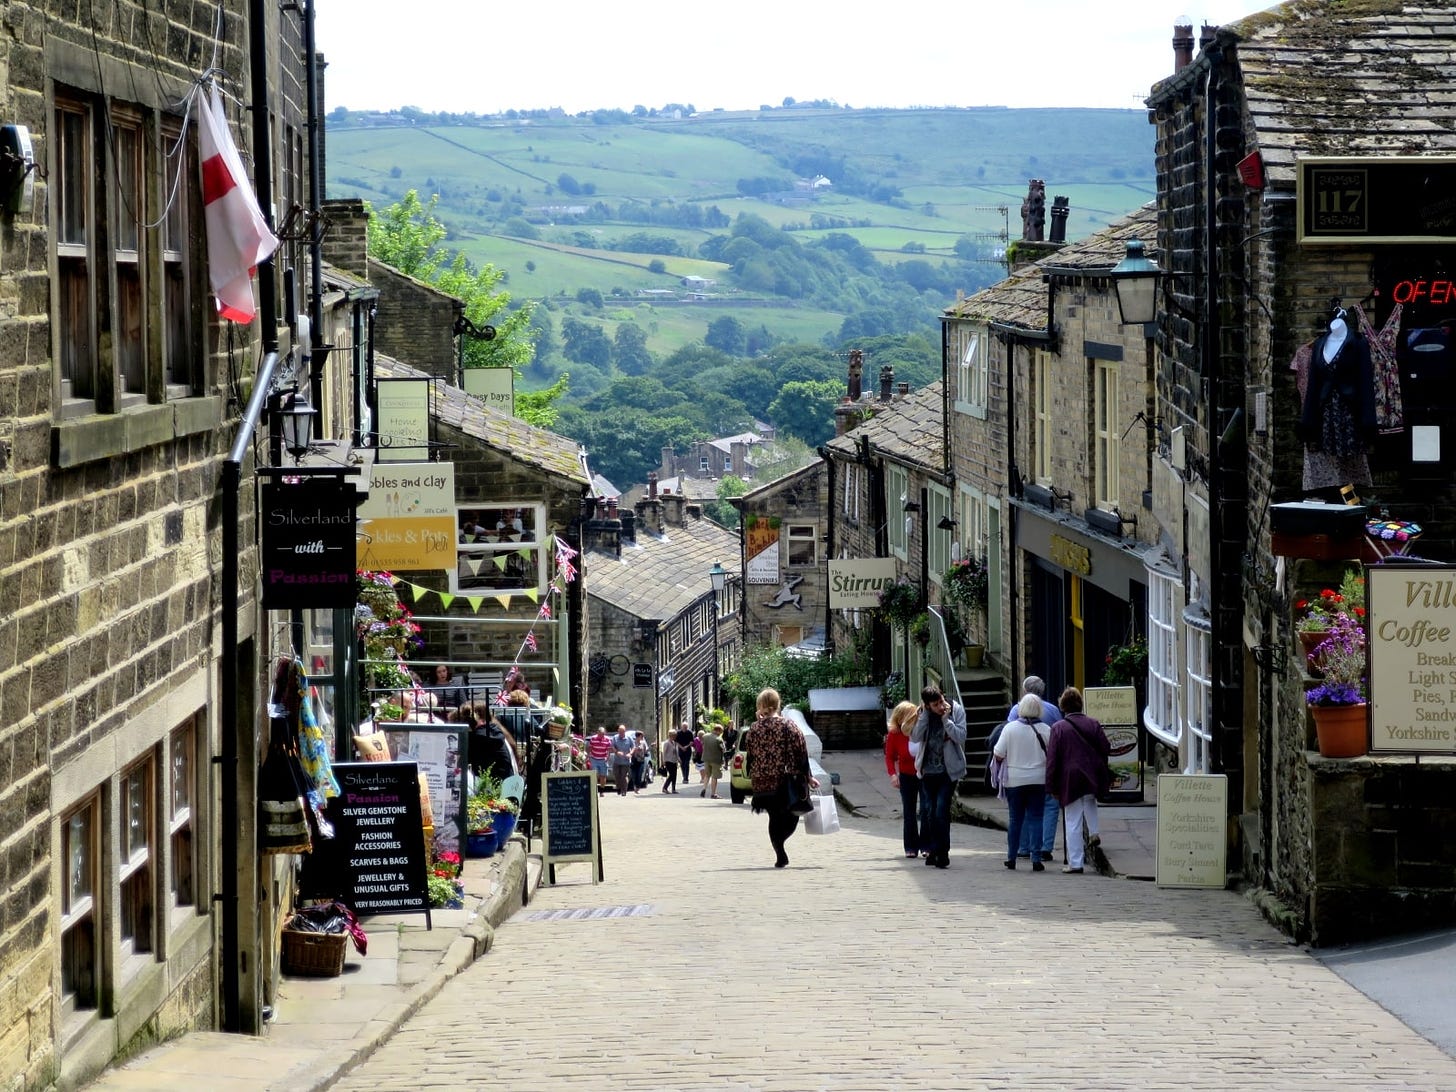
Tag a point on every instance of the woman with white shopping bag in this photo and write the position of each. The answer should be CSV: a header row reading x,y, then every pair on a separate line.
x,y
778,766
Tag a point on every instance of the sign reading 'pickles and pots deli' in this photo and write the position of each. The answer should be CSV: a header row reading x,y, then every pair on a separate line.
x,y
1411,638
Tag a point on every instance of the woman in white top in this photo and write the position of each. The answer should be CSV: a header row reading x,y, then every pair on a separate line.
x,y
1023,746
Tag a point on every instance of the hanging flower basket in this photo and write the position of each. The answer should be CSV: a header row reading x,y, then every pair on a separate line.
x,y
900,604
968,584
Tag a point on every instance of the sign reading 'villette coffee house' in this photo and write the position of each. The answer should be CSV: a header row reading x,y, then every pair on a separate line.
x,y
308,544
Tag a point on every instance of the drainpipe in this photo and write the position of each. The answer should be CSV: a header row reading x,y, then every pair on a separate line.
x,y
828,548
236,858
315,244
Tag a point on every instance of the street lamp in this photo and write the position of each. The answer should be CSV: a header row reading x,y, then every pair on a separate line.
x,y
719,577
1136,280
297,423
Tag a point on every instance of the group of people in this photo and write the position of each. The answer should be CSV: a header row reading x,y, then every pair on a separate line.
x,y
706,751
1050,759
622,757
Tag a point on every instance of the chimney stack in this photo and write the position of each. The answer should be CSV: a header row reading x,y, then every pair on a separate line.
x,y
887,382
1182,46
673,510
651,485
1061,209
856,370
1207,35
649,515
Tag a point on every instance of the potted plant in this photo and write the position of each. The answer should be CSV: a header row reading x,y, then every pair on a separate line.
x,y
479,827
1316,616
893,690
920,629
1339,703
1126,664
900,604
967,584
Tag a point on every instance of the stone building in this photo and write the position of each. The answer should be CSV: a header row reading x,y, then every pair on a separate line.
x,y
782,535
1305,163
655,615
132,647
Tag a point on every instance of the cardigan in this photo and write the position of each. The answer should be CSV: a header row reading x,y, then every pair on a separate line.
x,y
898,759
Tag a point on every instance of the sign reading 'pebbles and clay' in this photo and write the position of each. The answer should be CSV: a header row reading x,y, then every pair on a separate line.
x,y
308,544
381,837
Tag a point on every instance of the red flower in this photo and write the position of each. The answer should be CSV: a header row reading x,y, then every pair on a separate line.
x,y
1303,604
1359,612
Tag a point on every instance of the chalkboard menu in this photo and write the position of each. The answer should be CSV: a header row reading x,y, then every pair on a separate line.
x,y
381,837
569,821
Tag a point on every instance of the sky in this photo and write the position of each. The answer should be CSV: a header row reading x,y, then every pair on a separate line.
x,y
471,56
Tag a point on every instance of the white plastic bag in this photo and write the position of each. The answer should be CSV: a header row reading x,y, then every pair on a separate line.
x,y
824,819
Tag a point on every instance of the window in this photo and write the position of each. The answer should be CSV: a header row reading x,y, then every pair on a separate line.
x,y
1165,601
1041,456
702,462
126,324
727,463
785,636
179,827
134,859
802,547
938,542
1199,719
897,492
79,886
1107,442
851,492
974,535
972,375
500,549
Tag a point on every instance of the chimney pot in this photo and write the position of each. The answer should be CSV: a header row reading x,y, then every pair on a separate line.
x,y
904,388
652,485
1182,46
887,381
1207,35
856,370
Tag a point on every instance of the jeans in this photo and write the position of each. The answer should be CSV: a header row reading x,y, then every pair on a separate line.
x,y
670,784
1051,812
935,830
639,773
1025,804
622,773
909,803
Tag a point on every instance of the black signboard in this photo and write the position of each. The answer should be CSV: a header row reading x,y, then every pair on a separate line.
x,y
641,674
569,821
308,544
1377,199
381,837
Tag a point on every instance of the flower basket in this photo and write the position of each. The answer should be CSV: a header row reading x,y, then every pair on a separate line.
x,y
1342,731
314,955
900,604
968,584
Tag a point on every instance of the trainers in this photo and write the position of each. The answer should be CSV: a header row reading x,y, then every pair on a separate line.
x,y
1010,864
1037,866
1069,870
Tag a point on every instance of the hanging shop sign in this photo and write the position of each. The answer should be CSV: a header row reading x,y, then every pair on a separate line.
x,y
1410,632
496,387
569,824
1192,830
856,583
641,675
381,837
308,543
1115,708
408,522
1376,199
403,425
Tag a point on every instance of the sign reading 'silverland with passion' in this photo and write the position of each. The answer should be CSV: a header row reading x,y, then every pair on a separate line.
x,y
308,544
1411,635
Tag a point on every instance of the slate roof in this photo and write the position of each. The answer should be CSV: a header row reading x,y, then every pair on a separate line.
x,y
661,575
512,437
1343,77
909,431
705,489
1021,299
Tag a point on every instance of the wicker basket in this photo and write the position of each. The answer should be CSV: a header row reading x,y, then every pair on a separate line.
x,y
556,731
317,955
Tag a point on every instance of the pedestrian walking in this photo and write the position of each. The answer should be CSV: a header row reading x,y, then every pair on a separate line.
x,y
622,745
639,762
669,764
698,758
684,739
940,732
900,763
1076,771
712,761
1051,812
1023,745
599,749
778,762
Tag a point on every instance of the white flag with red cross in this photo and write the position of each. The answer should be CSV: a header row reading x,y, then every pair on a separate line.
x,y
237,234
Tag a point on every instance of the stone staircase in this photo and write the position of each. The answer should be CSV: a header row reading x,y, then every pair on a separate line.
x,y
984,694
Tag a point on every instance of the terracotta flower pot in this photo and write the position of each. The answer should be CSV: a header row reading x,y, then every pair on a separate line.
x,y
1342,730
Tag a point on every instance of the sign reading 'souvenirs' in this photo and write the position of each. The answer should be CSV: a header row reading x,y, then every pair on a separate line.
x,y
1411,637
308,544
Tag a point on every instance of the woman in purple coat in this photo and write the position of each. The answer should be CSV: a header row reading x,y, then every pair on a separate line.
x,y
1076,771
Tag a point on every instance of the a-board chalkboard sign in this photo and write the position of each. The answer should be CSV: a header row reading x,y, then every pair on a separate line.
x,y
381,837
569,822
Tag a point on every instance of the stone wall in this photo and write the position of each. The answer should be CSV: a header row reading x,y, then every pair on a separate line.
x,y
415,321
797,499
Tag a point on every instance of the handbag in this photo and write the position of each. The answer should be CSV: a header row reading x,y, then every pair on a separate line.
x,y
796,794
823,818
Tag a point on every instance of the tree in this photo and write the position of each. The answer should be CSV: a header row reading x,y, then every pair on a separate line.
x,y
591,297
726,335
806,409
586,342
629,350
720,511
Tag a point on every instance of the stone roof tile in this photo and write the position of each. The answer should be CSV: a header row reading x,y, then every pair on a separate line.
x,y
909,431
660,575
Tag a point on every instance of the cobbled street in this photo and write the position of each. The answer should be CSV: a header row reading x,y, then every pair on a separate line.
x,y
855,968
